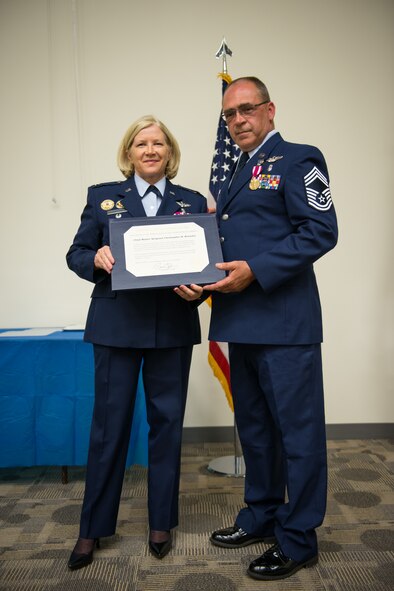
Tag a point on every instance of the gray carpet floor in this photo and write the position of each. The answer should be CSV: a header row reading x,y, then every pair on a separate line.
x,y
39,523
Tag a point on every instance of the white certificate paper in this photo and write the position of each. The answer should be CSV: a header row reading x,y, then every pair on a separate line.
x,y
166,249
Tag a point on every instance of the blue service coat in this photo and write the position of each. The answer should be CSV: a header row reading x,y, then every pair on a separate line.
x,y
278,216
280,229
161,329
137,318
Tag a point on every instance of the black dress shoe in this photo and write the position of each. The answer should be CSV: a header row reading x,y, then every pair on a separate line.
x,y
78,560
236,537
273,564
160,549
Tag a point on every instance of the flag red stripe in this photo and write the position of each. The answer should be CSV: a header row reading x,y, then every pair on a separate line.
x,y
225,154
221,360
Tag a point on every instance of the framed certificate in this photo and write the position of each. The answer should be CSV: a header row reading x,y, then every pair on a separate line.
x,y
165,251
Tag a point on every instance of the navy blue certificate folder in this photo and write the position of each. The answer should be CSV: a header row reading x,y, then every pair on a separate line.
x,y
165,251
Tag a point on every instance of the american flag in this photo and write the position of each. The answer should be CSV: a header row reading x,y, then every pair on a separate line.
x,y
225,155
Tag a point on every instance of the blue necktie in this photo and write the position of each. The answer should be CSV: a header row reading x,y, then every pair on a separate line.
x,y
151,205
242,161
153,189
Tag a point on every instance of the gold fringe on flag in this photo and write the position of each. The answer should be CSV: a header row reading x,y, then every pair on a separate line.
x,y
226,77
217,372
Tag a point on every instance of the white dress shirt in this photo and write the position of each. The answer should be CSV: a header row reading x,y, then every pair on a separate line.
x,y
150,201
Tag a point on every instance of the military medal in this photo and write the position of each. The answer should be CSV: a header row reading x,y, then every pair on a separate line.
x,y
107,204
254,181
270,181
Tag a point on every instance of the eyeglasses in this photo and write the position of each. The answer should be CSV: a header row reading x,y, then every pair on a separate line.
x,y
246,110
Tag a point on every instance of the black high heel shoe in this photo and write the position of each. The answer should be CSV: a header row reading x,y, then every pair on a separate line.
x,y
160,549
78,560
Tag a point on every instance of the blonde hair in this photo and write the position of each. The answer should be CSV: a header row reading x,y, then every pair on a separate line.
x,y
125,164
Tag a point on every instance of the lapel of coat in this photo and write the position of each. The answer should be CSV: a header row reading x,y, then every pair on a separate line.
x,y
169,205
223,192
131,199
228,194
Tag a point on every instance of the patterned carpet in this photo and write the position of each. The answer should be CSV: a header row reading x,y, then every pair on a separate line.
x,y
39,522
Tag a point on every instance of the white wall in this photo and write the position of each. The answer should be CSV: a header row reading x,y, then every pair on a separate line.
x,y
76,73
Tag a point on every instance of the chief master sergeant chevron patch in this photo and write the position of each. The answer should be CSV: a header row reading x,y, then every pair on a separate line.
x,y
317,190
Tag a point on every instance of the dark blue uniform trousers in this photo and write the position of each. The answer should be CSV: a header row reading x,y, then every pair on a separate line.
x,y
165,376
279,410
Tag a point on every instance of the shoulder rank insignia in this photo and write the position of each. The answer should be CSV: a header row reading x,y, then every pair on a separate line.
x,y
187,189
317,189
107,184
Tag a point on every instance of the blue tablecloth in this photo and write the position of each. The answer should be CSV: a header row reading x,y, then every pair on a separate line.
x,y
46,402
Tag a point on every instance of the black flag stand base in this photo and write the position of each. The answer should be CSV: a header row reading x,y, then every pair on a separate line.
x,y
230,465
